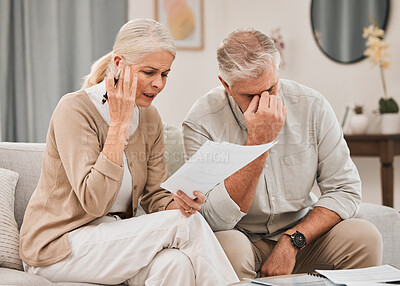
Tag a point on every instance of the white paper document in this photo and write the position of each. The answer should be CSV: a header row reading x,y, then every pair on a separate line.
x,y
363,276
212,164
295,280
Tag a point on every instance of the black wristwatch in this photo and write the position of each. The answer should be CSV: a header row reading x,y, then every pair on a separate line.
x,y
298,239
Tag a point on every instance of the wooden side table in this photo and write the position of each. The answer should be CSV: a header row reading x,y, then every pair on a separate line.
x,y
383,146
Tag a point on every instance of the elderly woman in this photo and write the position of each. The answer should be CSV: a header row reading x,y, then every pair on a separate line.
x,y
102,154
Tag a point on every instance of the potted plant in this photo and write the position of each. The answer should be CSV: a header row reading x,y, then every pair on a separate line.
x,y
359,120
377,53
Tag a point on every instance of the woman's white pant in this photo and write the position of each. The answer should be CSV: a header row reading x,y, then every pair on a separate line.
x,y
163,248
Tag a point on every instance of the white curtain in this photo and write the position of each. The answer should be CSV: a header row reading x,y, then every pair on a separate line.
x,y
46,47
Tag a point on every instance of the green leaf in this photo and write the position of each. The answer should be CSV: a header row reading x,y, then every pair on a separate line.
x,y
388,105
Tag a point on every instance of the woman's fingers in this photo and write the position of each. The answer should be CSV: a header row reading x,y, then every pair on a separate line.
x,y
110,82
121,95
120,78
134,81
129,83
126,85
183,207
195,204
181,202
126,81
186,204
200,197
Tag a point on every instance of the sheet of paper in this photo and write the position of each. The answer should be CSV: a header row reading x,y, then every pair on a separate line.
x,y
258,282
383,273
294,280
211,164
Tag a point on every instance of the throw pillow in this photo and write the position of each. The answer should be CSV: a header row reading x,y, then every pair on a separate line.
x,y
9,235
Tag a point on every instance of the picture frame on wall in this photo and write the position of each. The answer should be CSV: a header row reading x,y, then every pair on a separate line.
x,y
184,19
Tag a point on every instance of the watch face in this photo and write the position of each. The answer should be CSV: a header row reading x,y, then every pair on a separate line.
x,y
299,240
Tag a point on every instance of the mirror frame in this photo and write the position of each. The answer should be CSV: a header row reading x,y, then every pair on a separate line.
x,y
360,58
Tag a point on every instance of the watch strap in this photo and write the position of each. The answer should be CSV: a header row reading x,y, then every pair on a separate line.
x,y
290,232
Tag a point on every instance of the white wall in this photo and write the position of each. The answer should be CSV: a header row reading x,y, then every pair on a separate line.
x,y
195,72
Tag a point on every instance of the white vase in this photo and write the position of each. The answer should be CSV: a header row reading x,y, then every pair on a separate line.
x,y
359,123
390,123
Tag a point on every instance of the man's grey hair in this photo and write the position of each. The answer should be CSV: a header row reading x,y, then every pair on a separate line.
x,y
246,54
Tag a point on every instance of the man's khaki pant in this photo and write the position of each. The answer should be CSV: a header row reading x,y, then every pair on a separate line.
x,y
352,243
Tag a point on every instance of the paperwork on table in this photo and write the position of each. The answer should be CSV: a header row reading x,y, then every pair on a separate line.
x,y
376,275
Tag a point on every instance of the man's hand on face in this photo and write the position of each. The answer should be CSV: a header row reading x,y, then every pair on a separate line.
x,y
282,259
264,118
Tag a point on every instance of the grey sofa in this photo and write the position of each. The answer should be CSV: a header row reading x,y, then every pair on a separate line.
x,y
26,160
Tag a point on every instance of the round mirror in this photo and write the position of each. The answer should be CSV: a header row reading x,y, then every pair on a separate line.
x,y
338,26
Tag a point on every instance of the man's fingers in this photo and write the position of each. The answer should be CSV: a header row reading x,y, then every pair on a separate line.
x,y
253,106
273,102
279,103
284,111
264,101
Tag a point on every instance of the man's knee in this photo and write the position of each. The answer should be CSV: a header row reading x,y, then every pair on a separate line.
x,y
364,243
239,251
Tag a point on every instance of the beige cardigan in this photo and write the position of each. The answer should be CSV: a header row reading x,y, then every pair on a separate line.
x,y
78,183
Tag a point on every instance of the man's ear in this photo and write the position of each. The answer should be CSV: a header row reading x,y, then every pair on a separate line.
x,y
225,84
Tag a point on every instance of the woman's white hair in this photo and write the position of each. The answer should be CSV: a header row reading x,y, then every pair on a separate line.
x,y
136,39
246,54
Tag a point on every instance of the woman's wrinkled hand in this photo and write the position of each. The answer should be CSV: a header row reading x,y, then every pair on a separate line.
x,y
121,97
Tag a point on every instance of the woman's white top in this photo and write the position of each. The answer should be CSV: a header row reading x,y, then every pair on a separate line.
x,y
124,197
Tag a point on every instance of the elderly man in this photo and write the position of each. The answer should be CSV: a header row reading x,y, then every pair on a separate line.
x,y
265,215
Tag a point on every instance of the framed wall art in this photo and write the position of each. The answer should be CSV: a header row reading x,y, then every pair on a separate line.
x,y
184,19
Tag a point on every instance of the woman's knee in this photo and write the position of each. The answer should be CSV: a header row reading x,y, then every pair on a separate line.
x,y
173,258
173,264
169,267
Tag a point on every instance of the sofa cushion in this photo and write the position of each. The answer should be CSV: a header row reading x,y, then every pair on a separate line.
x,y
9,235
387,221
174,153
20,278
26,160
